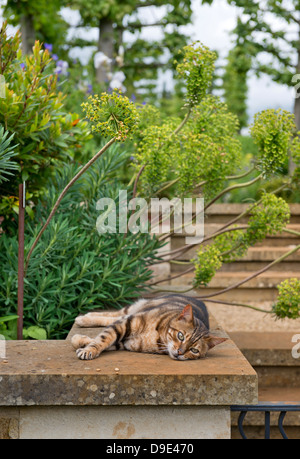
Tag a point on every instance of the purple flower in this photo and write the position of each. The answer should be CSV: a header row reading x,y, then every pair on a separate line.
x,y
55,57
48,46
89,88
23,66
133,97
61,67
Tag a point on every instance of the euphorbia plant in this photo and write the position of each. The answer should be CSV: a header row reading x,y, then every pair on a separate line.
x,y
200,154
115,117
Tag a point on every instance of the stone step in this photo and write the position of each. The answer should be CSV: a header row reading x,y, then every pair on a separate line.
x,y
260,289
240,295
211,228
279,240
275,356
247,266
266,253
270,354
221,280
224,212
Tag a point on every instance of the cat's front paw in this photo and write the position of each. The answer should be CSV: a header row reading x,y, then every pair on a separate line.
x,y
83,321
79,341
87,353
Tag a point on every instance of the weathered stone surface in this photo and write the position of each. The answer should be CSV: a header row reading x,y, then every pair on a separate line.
x,y
9,423
125,422
49,373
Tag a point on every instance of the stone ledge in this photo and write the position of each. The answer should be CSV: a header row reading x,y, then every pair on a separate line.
x,y
49,373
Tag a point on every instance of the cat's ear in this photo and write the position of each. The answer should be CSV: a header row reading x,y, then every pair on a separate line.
x,y
187,314
213,341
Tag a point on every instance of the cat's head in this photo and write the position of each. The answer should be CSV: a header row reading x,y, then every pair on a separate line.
x,y
187,340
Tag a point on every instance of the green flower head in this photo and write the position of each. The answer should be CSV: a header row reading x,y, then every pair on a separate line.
x,y
288,301
113,115
197,70
271,132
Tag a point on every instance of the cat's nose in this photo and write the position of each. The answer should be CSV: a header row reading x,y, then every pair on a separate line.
x,y
180,352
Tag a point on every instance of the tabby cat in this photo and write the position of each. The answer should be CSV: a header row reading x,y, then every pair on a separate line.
x,y
175,325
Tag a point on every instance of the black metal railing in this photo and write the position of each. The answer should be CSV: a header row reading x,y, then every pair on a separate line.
x,y
266,407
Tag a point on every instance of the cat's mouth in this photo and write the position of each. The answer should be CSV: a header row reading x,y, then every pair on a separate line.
x,y
175,356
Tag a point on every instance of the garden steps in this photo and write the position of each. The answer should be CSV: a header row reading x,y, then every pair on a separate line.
x,y
270,354
262,288
255,259
224,212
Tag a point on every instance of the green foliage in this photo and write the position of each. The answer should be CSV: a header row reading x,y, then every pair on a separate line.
x,y
196,69
74,268
42,16
219,150
144,59
295,152
267,218
6,153
9,327
113,115
232,245
271,132
235,82
156,150
207,263
205,150
261,37
288,301
32,111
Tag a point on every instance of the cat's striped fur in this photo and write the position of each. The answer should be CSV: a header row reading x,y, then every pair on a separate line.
x,y
176,325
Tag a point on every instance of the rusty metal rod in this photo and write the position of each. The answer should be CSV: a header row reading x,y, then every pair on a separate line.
x,y
21,261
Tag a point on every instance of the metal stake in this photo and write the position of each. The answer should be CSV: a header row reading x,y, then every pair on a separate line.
x,y
21,260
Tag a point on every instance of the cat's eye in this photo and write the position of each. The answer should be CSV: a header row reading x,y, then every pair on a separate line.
x,y
194,350
180,336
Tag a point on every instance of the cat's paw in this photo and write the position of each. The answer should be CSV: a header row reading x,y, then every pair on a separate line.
x,y
87,353
79,341
83,321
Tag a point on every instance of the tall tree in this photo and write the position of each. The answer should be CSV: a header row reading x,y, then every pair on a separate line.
x,y
139,59
235,77
38,20
272,28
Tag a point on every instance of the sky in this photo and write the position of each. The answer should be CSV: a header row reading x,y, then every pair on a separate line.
x,y
211,25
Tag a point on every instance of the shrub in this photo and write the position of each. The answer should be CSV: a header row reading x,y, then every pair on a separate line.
x,y
7,152
33,112
74,269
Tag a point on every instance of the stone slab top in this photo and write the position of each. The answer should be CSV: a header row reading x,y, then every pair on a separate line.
x,y
49,373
